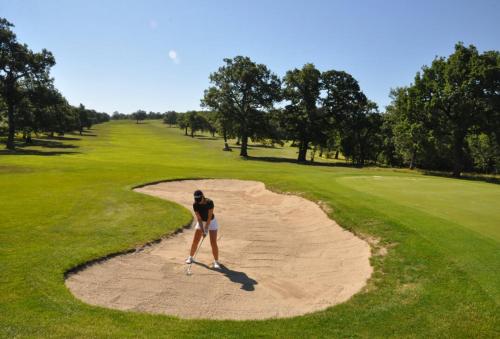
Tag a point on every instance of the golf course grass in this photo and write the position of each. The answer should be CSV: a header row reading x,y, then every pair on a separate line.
x,y
70,201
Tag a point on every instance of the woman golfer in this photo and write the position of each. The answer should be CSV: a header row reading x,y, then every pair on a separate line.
x,y
204,210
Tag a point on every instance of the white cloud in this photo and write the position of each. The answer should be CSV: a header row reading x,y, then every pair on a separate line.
x,y
153,24
172,54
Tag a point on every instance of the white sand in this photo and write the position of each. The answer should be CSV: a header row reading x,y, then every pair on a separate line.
x,y
283,256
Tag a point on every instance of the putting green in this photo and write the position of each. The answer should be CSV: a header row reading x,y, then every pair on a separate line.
x,y
461,218
473,205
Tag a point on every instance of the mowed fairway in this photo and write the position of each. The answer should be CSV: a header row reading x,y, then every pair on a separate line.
x,y
73,202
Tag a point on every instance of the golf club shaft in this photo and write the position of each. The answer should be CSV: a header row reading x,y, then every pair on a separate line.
x,y
201,243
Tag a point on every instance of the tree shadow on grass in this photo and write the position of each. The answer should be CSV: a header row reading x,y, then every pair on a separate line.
x,y
465,176
294,161
48,143
266,146
60,137
20,151
204,137
247,283
239,147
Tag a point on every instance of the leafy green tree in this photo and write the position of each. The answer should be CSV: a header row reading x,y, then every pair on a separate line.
x,y
485,152
410,125
119,116
301,118
459,93
183,123
139,115
351,114
210,122
83,118
154,115
389,154
170,118
195,121
18,63
270,131
226,119
246,89
361,139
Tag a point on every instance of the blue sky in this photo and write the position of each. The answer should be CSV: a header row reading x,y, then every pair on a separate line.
x,y
157,55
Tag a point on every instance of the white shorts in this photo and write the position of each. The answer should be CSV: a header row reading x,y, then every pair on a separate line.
x,y
214,226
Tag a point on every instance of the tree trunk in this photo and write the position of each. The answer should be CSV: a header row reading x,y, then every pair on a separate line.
x,y
458,154
12,127
186,131
337,154
244,143
412,160
226,146
303,150
192,133
238,141
313,153
320,151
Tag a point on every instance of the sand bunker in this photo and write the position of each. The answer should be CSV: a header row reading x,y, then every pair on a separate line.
x,y
282,257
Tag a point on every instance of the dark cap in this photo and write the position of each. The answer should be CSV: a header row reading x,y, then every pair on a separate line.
x,y
198,194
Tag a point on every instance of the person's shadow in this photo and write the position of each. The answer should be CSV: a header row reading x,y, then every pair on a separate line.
x,y
247,283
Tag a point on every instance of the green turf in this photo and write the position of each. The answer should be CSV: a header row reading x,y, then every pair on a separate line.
x,y
62,206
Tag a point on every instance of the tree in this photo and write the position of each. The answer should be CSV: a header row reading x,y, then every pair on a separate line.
x,y
224,114
485,152
210,121
119,116
18,62
83,118
352,115
170,118
245,89
154,115
361,139
301,118
195,122
139,115
410,125
182,122
458,93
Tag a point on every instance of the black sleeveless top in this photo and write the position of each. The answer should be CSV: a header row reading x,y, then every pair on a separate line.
x,y
203,209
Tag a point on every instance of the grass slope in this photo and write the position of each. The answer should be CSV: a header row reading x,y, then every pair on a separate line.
x,y
66,202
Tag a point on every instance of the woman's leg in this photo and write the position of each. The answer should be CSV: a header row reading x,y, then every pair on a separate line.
x,y
213,242
196,239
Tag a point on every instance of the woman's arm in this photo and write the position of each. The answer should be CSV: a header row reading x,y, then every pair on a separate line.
x,y
209,219
198,217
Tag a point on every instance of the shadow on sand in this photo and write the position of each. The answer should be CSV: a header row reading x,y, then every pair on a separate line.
x,y
247,283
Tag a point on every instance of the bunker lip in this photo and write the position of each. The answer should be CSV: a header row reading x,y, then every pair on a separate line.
x,y
282,257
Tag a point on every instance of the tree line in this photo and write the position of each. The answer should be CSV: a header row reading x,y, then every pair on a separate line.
x,y
29,101
448,119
